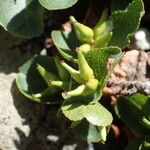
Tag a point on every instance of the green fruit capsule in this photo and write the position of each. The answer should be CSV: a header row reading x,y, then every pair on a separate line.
x,y
102,41
102,29
63,73
60,84
103,19
145,145
84,48
146,122
84,33
92,84
80,90
46,75
74,73
85,71
46,92
103,25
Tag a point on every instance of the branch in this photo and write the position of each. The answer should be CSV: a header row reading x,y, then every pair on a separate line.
x,y
127,88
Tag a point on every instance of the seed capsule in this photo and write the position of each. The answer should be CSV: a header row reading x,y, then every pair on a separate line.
x,y
63,74
145,145
146,122
103,19
82,90
46,92
85,71
103,25
102,28
84,48
92,84
74,73
60,84
46,75
102,41
84,33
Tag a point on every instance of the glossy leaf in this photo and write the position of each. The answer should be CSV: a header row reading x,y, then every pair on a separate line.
x,y
22,17
125,22
57,4
95,113
30,82
132,109
66,43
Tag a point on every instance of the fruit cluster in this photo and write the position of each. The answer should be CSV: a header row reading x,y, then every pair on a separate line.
x,y
90,39
97,37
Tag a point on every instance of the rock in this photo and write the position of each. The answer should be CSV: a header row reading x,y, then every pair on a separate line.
x,y
52,138
133,66
16,114
69,147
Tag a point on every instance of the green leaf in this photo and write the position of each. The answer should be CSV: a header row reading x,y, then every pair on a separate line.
x,y
87,131
66,43
57,4
125,22
30,82
22,17
132,110
98,58
95,113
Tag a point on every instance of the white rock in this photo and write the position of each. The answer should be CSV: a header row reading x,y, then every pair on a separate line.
x,y
142,41
13,110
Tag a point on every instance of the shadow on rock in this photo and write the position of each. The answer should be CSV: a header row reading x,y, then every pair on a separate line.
x,y
46,131
31,114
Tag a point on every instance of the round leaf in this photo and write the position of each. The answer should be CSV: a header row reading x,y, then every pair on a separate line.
x,y
125,22
22,17
66,43
57,4
95,113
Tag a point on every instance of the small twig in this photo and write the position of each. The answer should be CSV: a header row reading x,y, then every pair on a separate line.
x,y
127,88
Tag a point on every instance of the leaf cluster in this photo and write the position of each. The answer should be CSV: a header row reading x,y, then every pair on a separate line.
x,y
77,81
